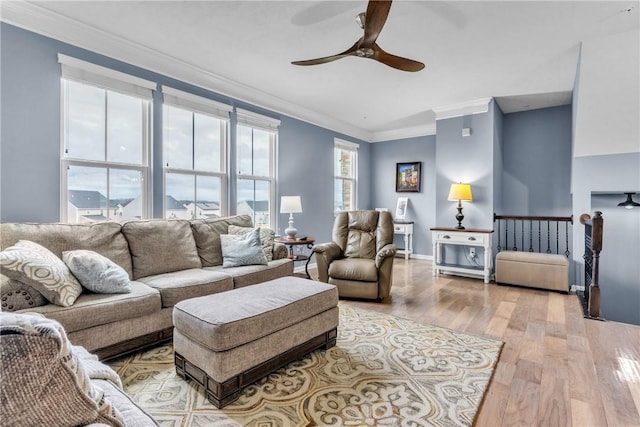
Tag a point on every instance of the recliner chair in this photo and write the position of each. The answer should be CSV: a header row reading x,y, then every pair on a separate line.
x,y
359,261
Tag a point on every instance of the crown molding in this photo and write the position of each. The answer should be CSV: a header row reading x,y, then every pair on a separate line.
x,y
42,21
411,132
477,106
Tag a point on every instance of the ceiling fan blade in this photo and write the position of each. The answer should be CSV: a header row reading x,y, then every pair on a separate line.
x,y
376,16
325,59
395,61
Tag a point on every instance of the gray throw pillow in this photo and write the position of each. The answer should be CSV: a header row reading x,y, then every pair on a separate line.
x,y
242,250
96,272
38,267
267,236
18,296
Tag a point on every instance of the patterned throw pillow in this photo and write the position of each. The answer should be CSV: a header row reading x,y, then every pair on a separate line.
x,y
36,266
96,272
44,383
18,296
267,236
242,250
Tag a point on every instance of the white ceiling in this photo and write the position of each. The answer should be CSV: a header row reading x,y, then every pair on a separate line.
x,y
522,53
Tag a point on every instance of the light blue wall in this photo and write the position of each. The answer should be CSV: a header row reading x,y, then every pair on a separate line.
x,y
466,159
384,156
498,158
619,277
537,162
306,168
30,138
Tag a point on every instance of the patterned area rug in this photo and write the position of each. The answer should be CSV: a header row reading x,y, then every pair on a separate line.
x,y
383,371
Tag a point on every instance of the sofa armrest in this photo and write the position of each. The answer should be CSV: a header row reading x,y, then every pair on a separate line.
x,y
280,251
325,254
388,251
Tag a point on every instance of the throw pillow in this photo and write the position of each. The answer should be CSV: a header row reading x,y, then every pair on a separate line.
x,y
44,383
18,296
267,236
242,250
36,266
96,272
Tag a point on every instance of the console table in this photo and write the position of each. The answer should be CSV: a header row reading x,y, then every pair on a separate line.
x,y
406,230
462,237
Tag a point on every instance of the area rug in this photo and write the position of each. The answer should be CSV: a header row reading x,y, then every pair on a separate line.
x,y
384,370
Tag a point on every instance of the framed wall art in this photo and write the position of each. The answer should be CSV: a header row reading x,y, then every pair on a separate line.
x,y
408,177
401,208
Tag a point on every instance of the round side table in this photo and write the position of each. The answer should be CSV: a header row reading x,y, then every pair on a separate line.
x,y
290,243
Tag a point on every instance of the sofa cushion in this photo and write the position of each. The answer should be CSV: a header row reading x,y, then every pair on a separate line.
x,y
92,309
354,269
102,237
37,266
206,233
251,274
267,237
16,295
96,272
238,250
160,246
179,285
43,381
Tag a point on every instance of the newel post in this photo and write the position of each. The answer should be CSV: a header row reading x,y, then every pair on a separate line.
x,y
596,247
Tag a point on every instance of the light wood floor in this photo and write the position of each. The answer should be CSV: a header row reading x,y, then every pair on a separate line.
x,y
556,368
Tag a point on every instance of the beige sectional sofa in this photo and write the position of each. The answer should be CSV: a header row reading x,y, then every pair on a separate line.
x,y
167,261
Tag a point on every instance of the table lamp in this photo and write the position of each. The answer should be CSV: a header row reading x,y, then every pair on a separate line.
x,y
460,192
290,205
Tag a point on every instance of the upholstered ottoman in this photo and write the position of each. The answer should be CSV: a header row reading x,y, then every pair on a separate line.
x,y
537,270
228,340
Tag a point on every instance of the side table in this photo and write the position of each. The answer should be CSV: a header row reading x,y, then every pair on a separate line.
x,y
406,230
290,243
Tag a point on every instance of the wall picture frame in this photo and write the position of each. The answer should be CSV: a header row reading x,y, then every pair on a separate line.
x,y
401,208
408,177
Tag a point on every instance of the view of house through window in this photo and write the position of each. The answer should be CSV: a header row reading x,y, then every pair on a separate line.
x,y
105,138
255,157
106,151
345,171
194,167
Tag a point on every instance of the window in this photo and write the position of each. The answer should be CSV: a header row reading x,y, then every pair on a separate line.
x,y
105,143
194,143
256,138
345,170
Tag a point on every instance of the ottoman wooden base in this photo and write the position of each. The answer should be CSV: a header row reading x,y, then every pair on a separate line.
x,y
221,394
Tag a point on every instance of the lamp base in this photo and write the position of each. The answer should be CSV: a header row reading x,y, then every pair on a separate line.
x,y
291,231
459,216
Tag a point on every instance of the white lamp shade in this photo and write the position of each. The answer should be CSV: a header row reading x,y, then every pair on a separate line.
x,y
460,191
290,204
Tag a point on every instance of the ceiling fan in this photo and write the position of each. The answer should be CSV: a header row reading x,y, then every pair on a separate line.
x,y
372,22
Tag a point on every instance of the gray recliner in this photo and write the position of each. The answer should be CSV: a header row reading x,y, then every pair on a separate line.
x,y
359,261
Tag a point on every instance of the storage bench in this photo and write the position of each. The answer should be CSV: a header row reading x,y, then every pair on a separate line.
x,y
532,269
228,340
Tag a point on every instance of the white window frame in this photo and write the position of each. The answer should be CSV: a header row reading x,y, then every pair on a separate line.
x,y
79,71
342,145
258,121
201,105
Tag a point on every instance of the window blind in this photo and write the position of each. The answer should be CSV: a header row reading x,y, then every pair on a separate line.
x,y
86,72
199,104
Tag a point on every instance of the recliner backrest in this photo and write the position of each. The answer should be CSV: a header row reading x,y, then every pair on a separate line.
x,y
361,234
